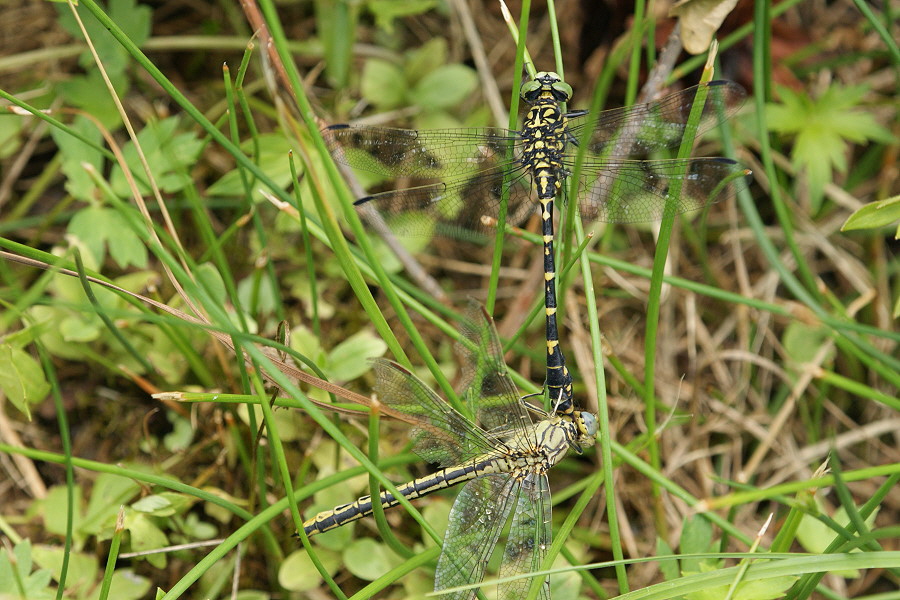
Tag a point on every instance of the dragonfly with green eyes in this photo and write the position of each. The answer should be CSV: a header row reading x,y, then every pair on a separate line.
x,y
502,454
461,176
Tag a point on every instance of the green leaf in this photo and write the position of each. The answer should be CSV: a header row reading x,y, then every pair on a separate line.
x,y
874,215
802,343
383,84
48,320
298,574
256,293
388,11
108,494
306,343
77,329
132,18
252,595
425,59
82,569
350,358
696,538
128,585
764,589
565,585
437,514
815,536
668,567
154,505
181,436
98,228
145,535
166,357
209,276
369,560
220,514
89,93
445,87
823,127
75,154
54,510
11,134
17,579
272,160
200,530
170,154
816,151
22,378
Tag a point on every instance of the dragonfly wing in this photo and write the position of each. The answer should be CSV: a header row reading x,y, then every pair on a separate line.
x,y
633,191
439,433
638,129
452,178
529,537
489,392
456,207
476,520
425,154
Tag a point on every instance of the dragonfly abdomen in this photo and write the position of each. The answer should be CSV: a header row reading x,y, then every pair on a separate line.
x,y
444,478
544,136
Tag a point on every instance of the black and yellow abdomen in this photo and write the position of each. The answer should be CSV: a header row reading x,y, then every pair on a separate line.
x,y
544,135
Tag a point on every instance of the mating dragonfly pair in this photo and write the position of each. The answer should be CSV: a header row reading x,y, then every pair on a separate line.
x,y
463,176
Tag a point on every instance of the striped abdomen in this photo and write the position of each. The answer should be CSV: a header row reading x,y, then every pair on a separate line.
x,y
422,486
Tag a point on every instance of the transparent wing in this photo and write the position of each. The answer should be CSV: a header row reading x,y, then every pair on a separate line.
x,y
639,129
489,393
456,206
457,175
529,537
439,433
447,153
612,191
476,520
634,191
425,154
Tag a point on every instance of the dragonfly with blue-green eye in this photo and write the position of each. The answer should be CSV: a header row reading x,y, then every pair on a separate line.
x,y
502,452
461,176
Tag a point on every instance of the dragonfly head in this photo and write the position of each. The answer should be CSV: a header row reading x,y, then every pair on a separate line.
x,y
582,429
587,427
546,83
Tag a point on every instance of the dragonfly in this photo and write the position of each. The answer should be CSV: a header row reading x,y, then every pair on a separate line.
x,y
501,453
458,177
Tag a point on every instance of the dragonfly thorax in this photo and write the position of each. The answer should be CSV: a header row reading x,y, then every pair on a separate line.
x,y
554,437
544,134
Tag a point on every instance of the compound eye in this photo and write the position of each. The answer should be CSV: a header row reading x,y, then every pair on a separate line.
x,y
530,89
589,421
562,91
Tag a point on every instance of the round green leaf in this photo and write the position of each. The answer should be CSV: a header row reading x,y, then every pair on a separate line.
x,y
350,358
383,84
445,87
368,560
298,574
